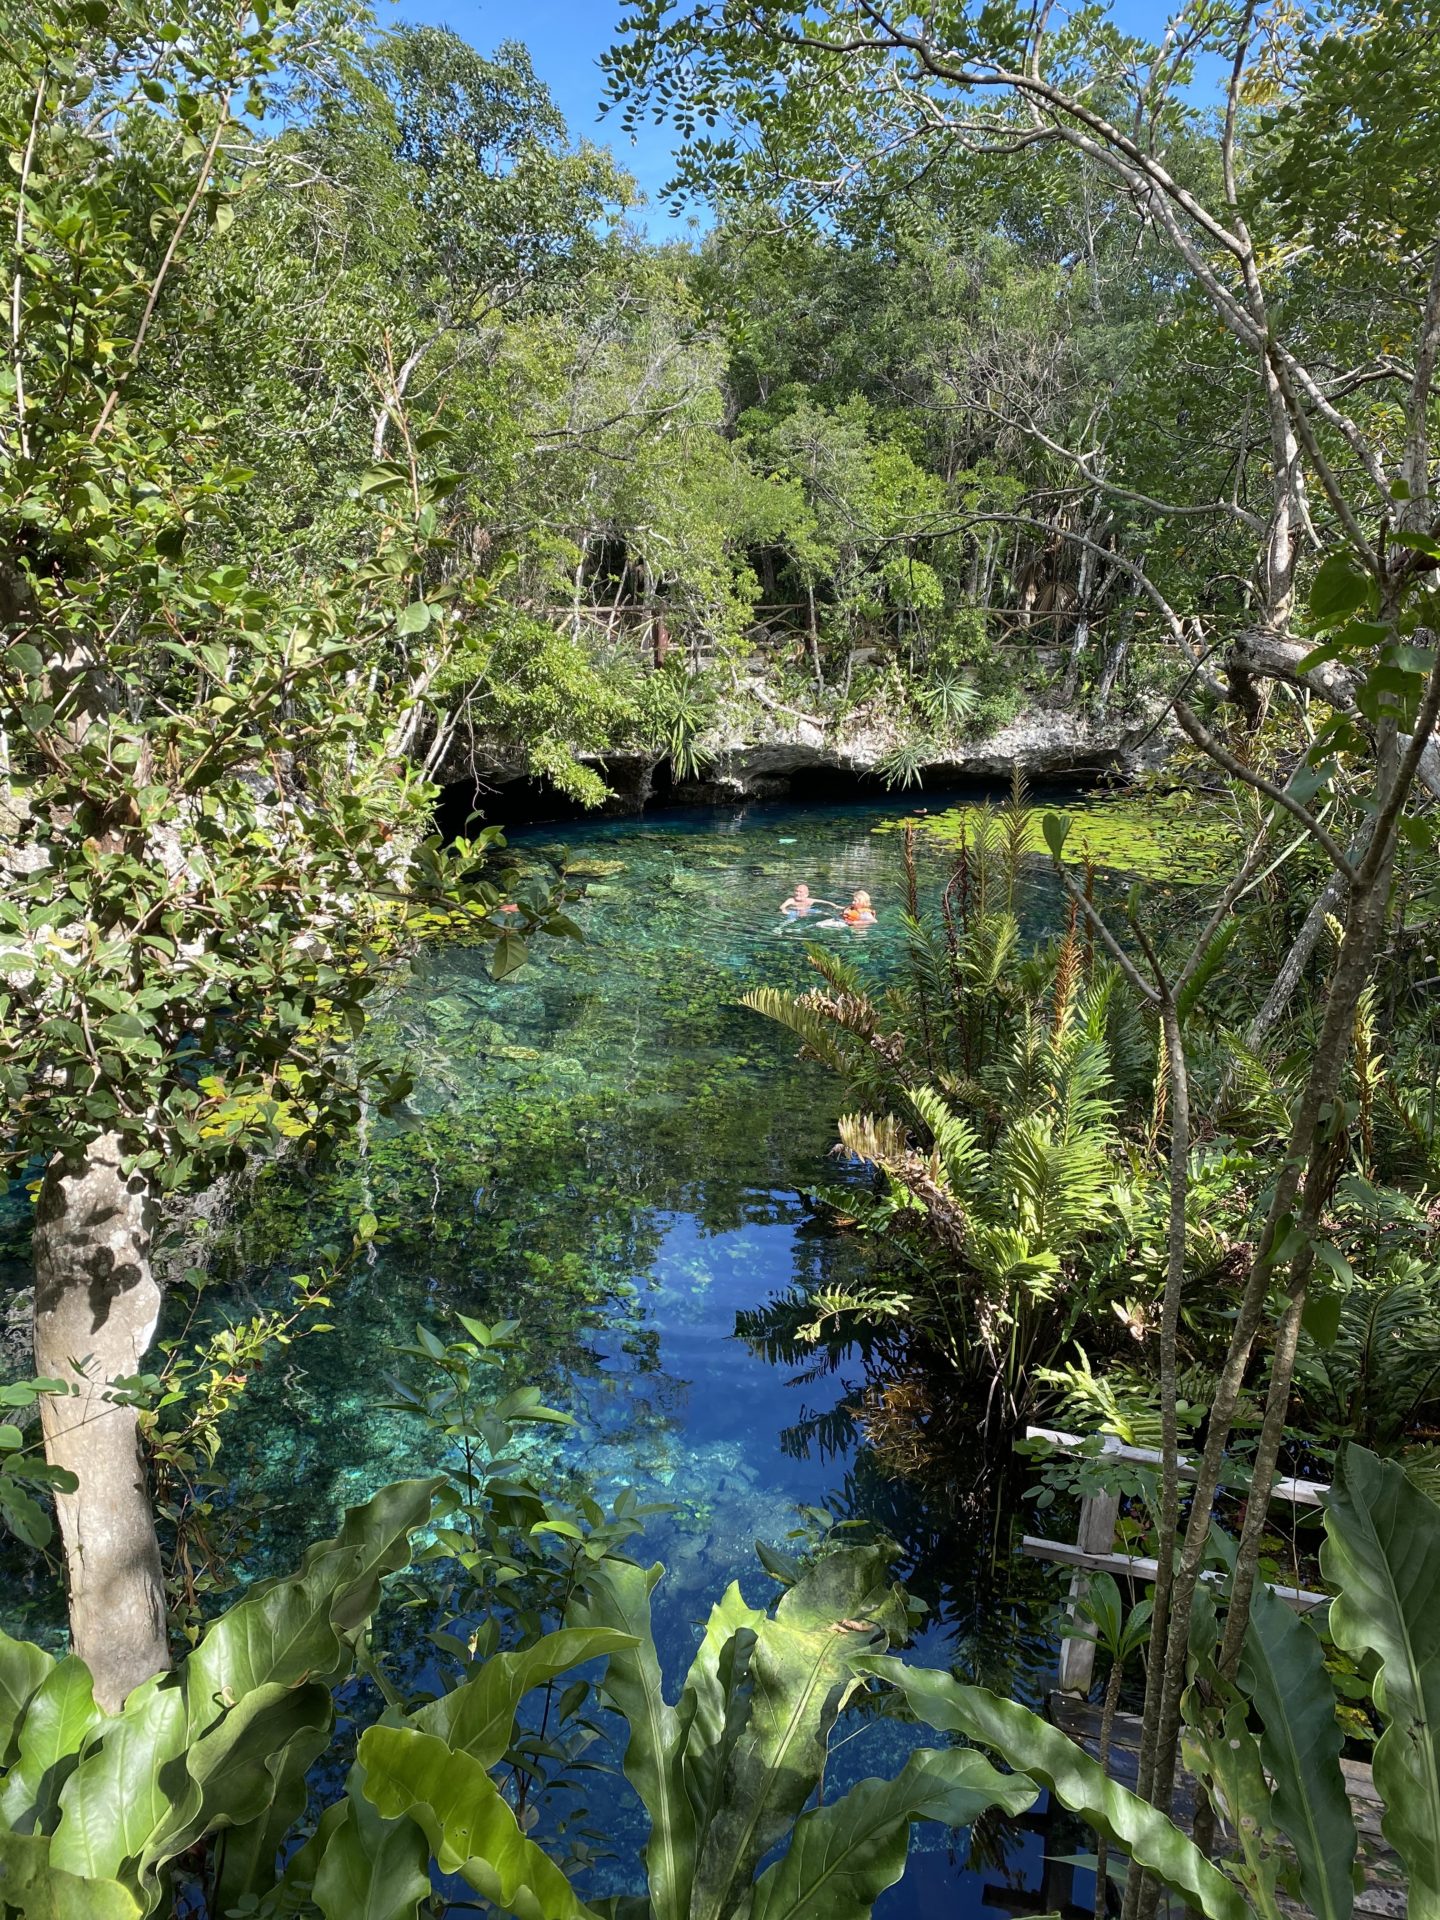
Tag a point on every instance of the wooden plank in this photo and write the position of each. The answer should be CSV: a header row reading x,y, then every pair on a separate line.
x,y
1299,1493
1139,1567
1099,1513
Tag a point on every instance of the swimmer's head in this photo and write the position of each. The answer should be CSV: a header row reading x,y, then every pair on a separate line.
x,y
862,899
802,892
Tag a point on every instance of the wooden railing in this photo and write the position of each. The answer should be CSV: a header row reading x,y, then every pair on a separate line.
x,y
1093,1549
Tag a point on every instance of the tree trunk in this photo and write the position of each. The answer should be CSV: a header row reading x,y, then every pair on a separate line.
x,y
1083,591
96,1309
1282,989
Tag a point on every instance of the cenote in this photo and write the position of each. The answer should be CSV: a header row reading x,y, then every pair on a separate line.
x,y
607,1149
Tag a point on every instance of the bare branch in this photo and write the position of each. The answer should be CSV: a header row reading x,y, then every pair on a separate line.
x,y
1222,756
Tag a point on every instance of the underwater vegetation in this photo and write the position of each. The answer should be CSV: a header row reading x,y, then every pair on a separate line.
x,y
608,1150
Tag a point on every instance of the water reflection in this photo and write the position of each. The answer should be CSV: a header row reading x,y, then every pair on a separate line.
x,y
608,1150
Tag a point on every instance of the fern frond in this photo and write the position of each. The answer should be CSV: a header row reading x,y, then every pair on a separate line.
x,y
1121,1403
837,972
819,1035
1194,988
1255,1089
956,1141
832,1306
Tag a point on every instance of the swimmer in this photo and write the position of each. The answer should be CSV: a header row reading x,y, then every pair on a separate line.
x,y
859,913
802,901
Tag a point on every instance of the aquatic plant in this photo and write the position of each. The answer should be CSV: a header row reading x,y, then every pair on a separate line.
x,y
1162,837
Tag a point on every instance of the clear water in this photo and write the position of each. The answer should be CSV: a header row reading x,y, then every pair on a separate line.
x,y
607,1149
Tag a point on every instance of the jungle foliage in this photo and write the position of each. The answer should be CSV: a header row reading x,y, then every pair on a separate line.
x,y
1014,369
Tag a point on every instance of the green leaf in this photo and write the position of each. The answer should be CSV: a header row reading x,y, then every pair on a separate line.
x,y
371,1868
843,1856
507,956
247,1863
1030,1744
22,1668
1339,588
413,619
1382,1553
1056,829
1321,1317
1227,1762
618,1598
207,1744
799,1670
1284,1674
716,1699
39,1891
61,1716
25,1517
478,1717
471,1827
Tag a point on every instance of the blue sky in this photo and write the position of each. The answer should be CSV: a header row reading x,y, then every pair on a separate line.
x,y
566,39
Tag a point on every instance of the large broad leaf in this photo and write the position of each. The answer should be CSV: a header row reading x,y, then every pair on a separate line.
x,y
478,1718
204,1745
1382,1552
235,1766
715,1700
22,1668
1078,1782
1285,1678
371,1868
39,1891
127,1826
1225,1758
843,1856
799,1672
471,1827
247,1859
60,1718
127,1789
618,1598
289,1629
295,1888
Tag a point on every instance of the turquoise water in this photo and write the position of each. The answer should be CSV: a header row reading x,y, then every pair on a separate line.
x,y
608,1150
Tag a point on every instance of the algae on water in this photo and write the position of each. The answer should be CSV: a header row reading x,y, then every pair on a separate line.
x,y
1164,837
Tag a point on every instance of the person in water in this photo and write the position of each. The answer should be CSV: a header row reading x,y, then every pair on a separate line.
x,y
860,913
802,901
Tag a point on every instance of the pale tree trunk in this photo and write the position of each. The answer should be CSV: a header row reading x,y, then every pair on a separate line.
x,y
1327,903
814,632
1114,665
96,1309
1083,592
